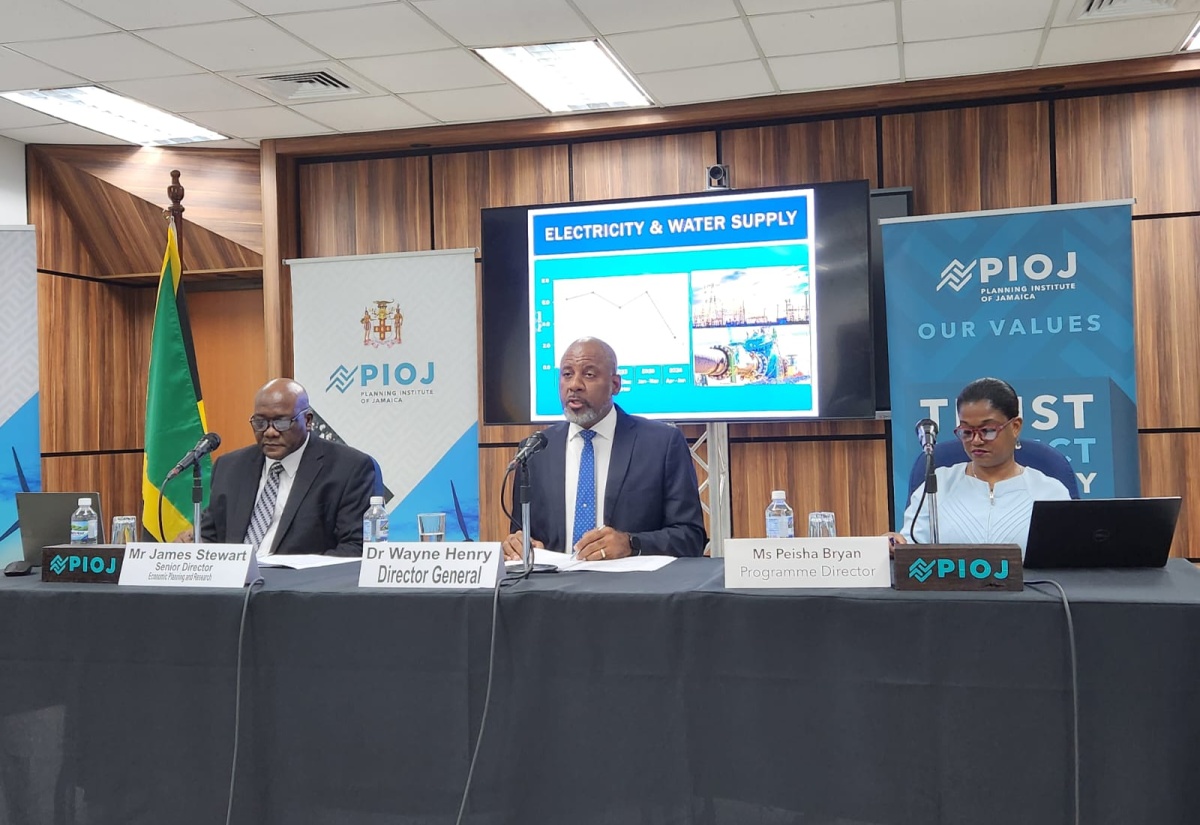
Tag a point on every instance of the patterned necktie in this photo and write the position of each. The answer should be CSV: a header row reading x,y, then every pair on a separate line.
x,y
585,493
264,508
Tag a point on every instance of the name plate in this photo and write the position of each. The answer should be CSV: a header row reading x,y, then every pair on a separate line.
x,y
88,563
959,567
808,562
149,564
426,565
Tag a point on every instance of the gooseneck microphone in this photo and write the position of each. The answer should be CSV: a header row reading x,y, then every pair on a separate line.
x,y
927,431
529,446
205,446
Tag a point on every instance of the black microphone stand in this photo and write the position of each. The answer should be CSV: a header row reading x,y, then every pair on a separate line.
x,y
931,493
526,542
197,497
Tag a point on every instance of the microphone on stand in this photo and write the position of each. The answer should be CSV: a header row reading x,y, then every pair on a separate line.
x,y
535,443
927,431
205,446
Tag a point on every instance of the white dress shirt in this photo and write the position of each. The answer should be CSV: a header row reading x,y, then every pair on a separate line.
x,y
291,463
604,429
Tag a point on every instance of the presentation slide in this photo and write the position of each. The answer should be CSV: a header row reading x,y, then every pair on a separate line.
x,y
708,302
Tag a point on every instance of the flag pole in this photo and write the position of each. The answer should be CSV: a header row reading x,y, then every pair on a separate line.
x,y
175,213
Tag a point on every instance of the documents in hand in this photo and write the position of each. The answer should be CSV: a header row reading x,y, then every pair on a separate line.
x,y
565,561
302,561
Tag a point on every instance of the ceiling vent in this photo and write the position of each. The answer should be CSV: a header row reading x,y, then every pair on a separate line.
x,y
306,85
1088,10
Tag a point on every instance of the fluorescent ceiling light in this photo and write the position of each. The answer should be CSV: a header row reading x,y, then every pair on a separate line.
x,y
568,77
121,117
1192,44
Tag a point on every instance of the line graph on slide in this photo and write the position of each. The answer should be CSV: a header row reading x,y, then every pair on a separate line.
x,y
646,318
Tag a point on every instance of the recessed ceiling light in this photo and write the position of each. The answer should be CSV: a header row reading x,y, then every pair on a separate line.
x,y
121,117
569,77
1192,44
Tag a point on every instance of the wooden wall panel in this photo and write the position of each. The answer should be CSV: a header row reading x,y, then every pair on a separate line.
x,y
116,476
642,167
1167,323
848,478
1144,146
59,247
466,182
826,150
1169,468
364,207
93,349
961,160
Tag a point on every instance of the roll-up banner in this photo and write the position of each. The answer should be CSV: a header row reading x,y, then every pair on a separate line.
x,y
20,445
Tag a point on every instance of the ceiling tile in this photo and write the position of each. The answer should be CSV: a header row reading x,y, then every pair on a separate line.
x,y
232,143
611,16
485,103
236,44
945,19
860,67
971,55
20,72
427,71
776,6
366,115
146,14
826,30
685,47
728,81
102,57
505,22
287,6
268,122
393,28
47,18
1089,42
62,133
190,93
16,116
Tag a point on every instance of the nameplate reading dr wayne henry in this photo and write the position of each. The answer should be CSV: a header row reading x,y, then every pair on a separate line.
x,y
187,565
424,565
841,562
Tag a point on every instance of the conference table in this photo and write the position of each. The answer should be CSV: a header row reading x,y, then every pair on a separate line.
x,y
615,698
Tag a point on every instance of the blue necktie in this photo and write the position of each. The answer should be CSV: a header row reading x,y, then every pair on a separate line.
x,y
585,493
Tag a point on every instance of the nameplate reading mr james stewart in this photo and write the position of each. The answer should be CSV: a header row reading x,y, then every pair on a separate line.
x,y
186,565
805,562
424,565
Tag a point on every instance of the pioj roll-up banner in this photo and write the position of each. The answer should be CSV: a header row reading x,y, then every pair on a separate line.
x,y
386,346
1042,298
20,447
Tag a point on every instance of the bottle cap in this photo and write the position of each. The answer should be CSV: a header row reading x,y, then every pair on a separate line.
x,y
85,502
779,494
376,500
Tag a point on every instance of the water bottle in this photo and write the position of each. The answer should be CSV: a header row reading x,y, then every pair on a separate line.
x,y
85,524
779,517
375,521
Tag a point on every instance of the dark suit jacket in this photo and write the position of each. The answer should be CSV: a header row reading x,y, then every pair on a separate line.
x,y
324,510
651,489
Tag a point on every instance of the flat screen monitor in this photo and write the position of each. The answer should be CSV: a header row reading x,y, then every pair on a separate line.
x,y
728,305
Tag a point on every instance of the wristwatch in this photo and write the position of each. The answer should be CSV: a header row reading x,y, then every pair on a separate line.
x,y
635,545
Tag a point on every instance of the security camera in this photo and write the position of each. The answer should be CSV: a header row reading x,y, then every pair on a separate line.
x,y
718,176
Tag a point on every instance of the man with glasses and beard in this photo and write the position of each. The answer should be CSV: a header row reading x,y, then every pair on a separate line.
x,y
290,493
609,484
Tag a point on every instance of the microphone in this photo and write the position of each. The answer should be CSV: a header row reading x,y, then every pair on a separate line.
x,y
927,430
205,446
529,446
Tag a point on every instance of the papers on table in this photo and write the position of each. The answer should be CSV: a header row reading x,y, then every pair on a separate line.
x,y
301,561
564,561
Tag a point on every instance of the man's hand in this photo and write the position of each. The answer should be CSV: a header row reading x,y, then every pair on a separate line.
x,y
602,544
512,546
185,537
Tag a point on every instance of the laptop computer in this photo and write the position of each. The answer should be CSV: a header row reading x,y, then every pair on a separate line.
x,y
45,519
1102,532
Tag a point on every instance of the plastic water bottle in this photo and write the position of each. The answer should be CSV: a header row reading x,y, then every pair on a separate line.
x,y
375,521
85,524
779,517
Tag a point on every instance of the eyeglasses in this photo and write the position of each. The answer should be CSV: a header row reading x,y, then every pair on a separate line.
x,y
986,433
281,425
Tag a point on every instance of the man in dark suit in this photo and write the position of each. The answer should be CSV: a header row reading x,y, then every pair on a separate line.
x,y
291,493
608,484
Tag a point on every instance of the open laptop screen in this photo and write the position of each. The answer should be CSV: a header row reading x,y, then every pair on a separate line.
x,y
45,519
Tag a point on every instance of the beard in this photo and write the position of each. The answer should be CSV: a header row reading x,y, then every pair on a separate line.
x,y
584,418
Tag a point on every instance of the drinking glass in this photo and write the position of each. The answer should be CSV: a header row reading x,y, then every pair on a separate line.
x,y
431,526
821,525
124,530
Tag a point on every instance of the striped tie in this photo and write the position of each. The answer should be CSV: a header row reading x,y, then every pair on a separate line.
x,y
585,493
264,508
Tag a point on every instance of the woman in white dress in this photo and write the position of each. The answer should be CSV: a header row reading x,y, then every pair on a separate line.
x,y
989,499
